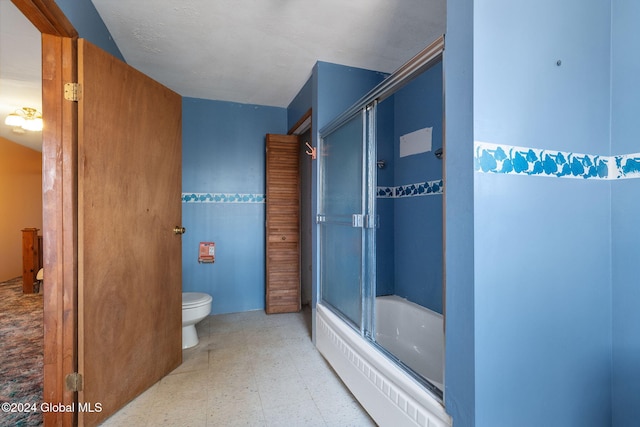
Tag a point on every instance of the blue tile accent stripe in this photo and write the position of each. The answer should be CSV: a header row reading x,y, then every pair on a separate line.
x,y
494,158
428,188
222,198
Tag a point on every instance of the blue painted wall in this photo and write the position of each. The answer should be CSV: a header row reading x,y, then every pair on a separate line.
x,y
542,264
625,202
86,20
542,292
460,370
223,153
338,87
300,103
534,102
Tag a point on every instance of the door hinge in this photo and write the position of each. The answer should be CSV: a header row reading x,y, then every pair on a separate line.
x,y
73,382
72,91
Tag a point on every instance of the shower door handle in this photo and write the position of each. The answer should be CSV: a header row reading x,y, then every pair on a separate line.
x,y
363,221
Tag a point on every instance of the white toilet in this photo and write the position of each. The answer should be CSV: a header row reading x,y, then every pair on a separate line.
x,y
195,307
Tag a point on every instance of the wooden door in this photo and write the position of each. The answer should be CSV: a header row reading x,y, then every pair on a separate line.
x,y
129,259
282,225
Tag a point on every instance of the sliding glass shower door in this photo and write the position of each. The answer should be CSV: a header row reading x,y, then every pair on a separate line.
x,y
343,218
380,217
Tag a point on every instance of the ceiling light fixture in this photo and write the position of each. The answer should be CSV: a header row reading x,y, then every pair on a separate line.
x,y
26,118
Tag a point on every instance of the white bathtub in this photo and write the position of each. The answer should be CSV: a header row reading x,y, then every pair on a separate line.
x,y
413,334
390,395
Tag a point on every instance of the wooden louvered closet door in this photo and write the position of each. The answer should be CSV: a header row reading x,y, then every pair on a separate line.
x,y
282,224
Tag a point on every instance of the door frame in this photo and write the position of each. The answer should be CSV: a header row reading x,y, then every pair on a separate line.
x,y
59,183
305,195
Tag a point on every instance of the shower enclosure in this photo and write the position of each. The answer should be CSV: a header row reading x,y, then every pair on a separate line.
x,y
380,217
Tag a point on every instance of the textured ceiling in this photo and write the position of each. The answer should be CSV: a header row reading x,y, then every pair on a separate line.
x,y
20,71
248,51
262,51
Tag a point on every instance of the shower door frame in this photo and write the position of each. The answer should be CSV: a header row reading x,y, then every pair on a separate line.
x,y
367,108
362,220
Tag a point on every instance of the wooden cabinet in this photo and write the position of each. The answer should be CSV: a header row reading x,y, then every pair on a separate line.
x,y
282,225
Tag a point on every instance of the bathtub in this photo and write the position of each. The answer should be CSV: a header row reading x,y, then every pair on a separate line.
x,y
390,395
413,334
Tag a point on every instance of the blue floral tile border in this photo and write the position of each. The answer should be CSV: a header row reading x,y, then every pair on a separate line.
x,y
385,192
428,188
222,198
410,190
507,159
531,161
628,165
488,158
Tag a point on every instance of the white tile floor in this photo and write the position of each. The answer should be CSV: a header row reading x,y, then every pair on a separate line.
x,y
250,369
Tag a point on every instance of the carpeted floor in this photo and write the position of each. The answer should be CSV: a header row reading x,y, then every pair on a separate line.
x,y
21,343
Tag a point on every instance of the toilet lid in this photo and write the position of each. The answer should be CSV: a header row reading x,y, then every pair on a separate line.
x,y
194,299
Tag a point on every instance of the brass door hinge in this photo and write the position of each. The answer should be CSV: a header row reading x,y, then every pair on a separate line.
x,y
73,382
72,91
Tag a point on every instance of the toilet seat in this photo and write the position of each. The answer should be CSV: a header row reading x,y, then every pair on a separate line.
x,y
195,299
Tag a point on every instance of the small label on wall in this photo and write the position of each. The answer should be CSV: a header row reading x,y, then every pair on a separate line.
x,y
416,142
